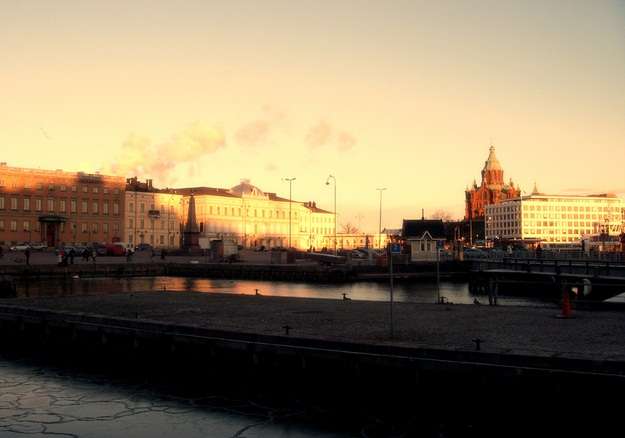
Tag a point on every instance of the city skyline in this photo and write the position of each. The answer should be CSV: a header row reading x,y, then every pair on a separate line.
x,y
209,94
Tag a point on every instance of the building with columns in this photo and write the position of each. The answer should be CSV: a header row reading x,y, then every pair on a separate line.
x,y
254,218
57,207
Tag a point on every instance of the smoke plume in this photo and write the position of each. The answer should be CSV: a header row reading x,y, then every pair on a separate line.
x,y
324,134
140,156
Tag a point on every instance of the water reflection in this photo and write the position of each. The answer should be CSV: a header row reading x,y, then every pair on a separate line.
x,y
422,292
43,401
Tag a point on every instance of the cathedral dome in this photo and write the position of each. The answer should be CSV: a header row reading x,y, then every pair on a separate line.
x,y
492,163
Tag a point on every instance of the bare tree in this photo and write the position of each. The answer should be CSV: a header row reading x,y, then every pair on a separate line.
x,y
441,214
348,228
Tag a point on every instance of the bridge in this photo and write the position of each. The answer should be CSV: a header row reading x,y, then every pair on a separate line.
x,y
592,279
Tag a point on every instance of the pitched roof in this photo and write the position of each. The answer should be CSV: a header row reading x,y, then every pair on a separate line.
x,y
418,227
206,191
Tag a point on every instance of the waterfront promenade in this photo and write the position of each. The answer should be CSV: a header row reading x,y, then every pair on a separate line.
x,y
525,331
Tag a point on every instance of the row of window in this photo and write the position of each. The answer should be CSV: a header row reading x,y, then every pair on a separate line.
x,y
60,205
83,227
153,225
65,188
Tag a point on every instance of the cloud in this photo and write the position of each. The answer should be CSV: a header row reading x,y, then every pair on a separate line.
x,y
142,157
258,132
324,134
270,167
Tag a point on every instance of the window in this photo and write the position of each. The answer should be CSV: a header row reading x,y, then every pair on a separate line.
x,y
94,228
83,227
84,207
1,225
26,225
131,207
116,227
95,207
38,204
85,189
73,188
130,223
62,206
13,203
95,190
13,225
63,188
142,224
105,228
1,202
116,208
142,207
105,208
26,204
72,206
50,204
162,240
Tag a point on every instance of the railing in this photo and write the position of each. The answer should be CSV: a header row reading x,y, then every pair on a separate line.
x,y
556,266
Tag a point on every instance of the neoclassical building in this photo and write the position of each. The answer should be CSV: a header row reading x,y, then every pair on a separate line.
x,y
491,190
256,218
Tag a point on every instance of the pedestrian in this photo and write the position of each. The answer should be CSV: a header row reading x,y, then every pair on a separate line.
x,y
72,254
492,292
1,251
163,253
59,258
129,255
539,251
94,253
27,254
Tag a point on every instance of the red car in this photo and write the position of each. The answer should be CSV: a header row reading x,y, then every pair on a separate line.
x,y
113,249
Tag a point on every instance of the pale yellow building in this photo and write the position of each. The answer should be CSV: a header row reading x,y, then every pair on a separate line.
x,y
152,216
254,218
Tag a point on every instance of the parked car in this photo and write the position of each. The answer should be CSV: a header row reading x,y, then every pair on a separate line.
x,y
114,249
144,247
20,247
100,249
38,246
474,252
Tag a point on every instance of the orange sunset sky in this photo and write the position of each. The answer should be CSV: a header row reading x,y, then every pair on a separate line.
x,y
406,95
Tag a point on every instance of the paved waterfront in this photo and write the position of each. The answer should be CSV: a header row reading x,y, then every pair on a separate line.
x,y
596,335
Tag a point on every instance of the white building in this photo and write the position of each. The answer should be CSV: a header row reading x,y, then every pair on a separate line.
x,y
152,216
554,219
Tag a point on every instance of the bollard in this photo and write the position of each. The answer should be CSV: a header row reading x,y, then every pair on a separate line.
x,y
566,305
477,341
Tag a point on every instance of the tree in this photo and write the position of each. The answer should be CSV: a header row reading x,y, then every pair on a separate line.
x,y
348,228
444,215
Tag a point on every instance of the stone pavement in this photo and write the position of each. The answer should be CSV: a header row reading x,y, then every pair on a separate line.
x,y
594,335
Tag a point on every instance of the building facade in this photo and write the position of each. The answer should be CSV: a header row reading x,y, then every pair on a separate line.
x,y
56,207
491,190
152,216
555,219
254,218
424,237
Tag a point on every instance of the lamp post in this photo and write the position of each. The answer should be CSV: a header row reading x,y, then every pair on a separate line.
x,y
327,184
290,180
380,223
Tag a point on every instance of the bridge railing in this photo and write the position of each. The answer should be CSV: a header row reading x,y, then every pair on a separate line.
x,y
557,266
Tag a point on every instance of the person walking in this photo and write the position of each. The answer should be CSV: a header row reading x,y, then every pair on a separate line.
x,y
72,254
163,253
27,254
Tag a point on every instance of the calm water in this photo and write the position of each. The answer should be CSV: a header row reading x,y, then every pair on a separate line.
x,y
43,401
373,291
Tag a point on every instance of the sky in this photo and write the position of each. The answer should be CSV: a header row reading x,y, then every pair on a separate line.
x,y
402,95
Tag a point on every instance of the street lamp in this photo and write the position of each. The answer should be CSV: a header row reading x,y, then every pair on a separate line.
x,y
327,184
380,223
290,180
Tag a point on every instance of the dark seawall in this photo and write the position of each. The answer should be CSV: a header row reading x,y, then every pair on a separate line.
x,y
348,381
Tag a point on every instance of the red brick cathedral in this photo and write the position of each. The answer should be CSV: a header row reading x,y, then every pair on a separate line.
x,y
491,191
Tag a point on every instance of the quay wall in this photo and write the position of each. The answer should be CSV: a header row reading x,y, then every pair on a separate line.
x,y
343,376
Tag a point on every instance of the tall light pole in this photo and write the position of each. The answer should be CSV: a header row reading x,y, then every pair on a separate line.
x,y
290,180
380,223
327,184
